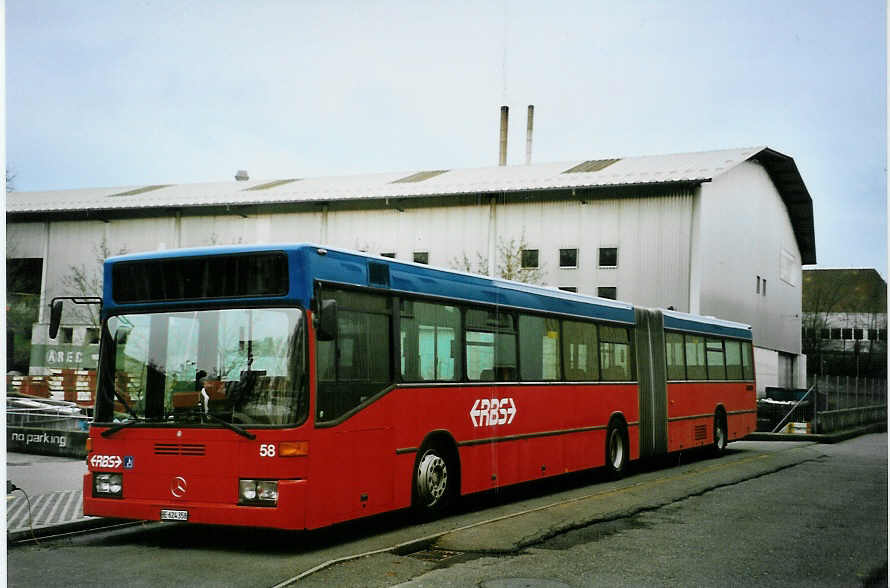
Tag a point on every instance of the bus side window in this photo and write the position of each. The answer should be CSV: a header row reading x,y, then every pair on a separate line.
x,y
539,348
356,364
615,356
580,348
733,360
695,358
747,361
490,345
428,336
676,360
716,364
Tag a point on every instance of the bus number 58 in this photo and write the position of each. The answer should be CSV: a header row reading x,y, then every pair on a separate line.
x,y
267,450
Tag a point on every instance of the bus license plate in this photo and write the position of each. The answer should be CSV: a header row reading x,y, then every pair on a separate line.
x,y
174,515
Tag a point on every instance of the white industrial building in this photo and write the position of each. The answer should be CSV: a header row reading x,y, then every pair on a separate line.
x,y
720,233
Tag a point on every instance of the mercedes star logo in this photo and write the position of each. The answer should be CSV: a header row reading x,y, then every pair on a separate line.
x,y
178,487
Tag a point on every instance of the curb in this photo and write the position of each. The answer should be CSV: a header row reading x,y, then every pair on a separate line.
x,y
818,437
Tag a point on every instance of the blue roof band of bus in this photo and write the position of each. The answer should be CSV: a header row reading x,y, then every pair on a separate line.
x,y
679,321
351,268
337,266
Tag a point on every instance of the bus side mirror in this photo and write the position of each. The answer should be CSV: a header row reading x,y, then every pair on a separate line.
x,y
327,320
55,318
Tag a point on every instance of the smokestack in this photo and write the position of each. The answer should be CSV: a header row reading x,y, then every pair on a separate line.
x,y
505,110
242,176
528,134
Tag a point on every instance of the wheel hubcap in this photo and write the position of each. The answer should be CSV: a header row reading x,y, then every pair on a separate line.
x,y
432,478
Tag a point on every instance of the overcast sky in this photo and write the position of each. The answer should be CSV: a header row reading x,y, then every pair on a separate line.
x,y
134,93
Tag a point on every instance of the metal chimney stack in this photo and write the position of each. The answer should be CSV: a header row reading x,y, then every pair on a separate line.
x,y
505,110
528,134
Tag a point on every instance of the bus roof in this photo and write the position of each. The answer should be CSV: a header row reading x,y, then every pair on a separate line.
x,y
352,268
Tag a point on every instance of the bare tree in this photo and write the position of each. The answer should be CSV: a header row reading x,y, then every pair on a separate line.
x,y
508,263
10,181
821,298
83,280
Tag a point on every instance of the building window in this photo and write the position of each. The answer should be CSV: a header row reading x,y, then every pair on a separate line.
x,y
529,258
847,334
825,333
758,285
610,292
568,288
786,267
568,258
608,257
388,254
836,334
65,335
764,286
92,336
422,257
857,334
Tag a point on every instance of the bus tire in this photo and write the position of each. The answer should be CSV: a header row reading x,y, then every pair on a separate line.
x,y
718,447
435,480
617,449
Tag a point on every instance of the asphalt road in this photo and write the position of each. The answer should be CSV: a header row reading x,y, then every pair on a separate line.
x,y
764,514
822,522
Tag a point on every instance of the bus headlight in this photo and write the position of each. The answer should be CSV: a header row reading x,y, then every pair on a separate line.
x,y
107,485
258,492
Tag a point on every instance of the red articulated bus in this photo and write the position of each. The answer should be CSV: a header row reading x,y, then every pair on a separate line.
x,y
296,386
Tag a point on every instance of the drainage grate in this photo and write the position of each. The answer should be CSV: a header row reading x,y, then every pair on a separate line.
x,y
433,554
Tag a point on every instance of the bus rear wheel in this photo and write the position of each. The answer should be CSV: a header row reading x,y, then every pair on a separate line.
x,y
616,449
720,438
435,479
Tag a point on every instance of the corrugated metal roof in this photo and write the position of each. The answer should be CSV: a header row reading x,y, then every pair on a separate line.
x,y
590,166
684,167
273,184
421,176
653,169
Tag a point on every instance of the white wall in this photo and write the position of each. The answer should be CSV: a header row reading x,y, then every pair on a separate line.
x,y
766,369
651,234
745,232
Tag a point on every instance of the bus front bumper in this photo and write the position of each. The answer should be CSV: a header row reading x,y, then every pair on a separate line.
x,y
288,513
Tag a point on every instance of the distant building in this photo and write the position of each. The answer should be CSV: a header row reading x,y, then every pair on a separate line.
x,y
720,233
845,322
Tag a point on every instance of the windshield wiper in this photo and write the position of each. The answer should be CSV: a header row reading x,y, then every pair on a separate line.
x,y
229,425
122,425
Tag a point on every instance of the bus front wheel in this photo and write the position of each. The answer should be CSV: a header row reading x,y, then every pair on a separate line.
x,y
435,477
616,449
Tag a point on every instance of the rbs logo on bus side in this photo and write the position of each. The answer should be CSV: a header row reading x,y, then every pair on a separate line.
x,y
494,411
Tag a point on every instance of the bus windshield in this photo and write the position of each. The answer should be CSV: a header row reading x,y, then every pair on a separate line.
x,y
241,366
